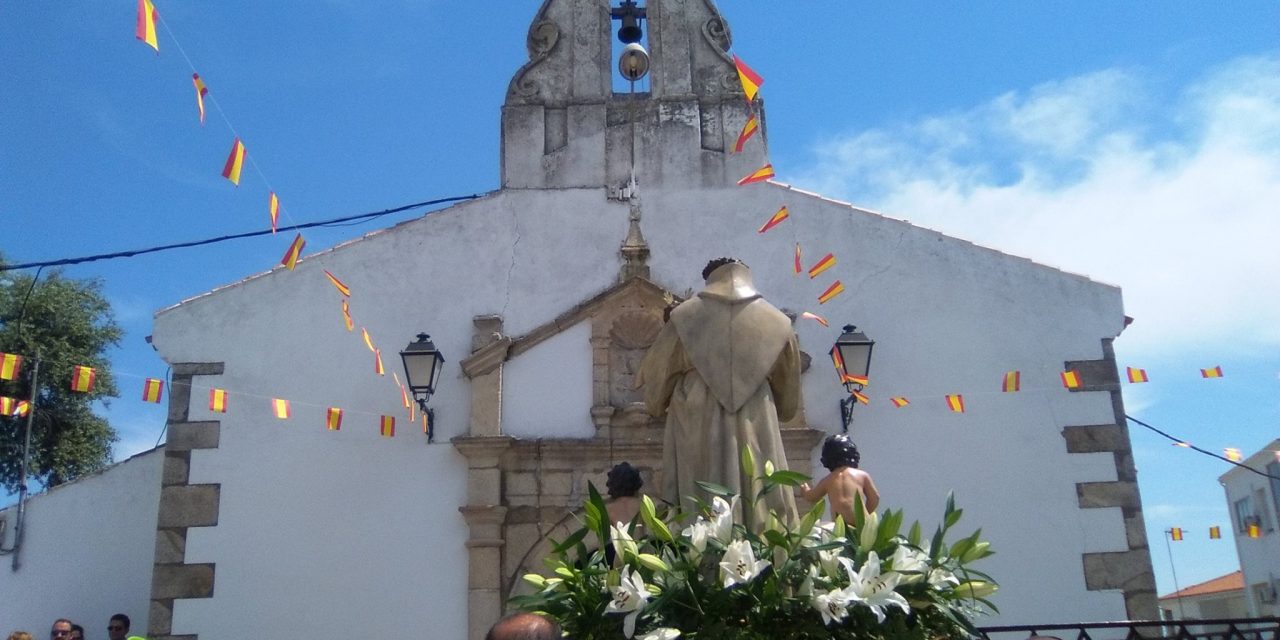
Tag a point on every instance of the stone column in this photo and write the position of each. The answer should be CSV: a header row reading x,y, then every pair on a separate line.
x,y
485,515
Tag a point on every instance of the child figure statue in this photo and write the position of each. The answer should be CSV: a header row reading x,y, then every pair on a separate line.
x,y
846,481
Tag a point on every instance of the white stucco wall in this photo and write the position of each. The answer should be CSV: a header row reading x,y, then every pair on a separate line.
x,y
87,551
1259,557
321,530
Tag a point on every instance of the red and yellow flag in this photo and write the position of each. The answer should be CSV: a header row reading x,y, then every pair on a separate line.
x,y
831,292
377,362
146,28
368,342
749,129
218,400
1137,375
235,163
825,263
346,316
838,362
82,378
290,259
1215,533
899,401
22,409
773,221
387,426
201,92
273,207
334,419
862,380
1215,372
404,397
7,405
413,414
1176,534
426,426
751,81
1012,382
280,407
152,390
799,268
955,402
1233,454
1071,379
338,284
759,175
862,399
10,365
1183,444
816,318
1254,530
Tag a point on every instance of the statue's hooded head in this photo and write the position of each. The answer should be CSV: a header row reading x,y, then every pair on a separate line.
x,y
839,451
729,279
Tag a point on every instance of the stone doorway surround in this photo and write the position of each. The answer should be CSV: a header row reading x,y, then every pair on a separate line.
x,y
520,491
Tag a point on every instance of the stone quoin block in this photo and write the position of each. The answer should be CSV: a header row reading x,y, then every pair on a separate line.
x,y
182,581
186,436
189,506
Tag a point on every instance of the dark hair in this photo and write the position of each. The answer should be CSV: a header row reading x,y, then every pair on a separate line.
x,y
122,618
624,480
716,264
76,627
524,626
839,451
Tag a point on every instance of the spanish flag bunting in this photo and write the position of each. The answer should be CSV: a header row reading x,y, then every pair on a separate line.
x,y
290,259
377,362
426,427
751,81
749,129
1071,379
1012,382
82,378
816,318
1215,533
1182,443
1254,530
899,401
773,221
22,409
413,414
273,207
218,400
333,421
799,268
759,175
955,403
346,316
1176,534
387,426
825,263
857,395
10,365
862,380
235,163
1233,454
7,405
1137,376
832,291
368,342
152,390
280,407
1215,372
838,362
404,397
146,28
338,284
201,92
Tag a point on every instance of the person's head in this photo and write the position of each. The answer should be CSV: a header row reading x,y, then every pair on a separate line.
x,y
19,635
716,264
624,480
61,629
839,451
524,626
77,632
118,627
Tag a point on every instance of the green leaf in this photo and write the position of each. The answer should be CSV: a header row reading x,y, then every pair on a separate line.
x,y
913,536
748,459
775,537
788,478
841,529
571,541
650,517
715,489
953,517
810,519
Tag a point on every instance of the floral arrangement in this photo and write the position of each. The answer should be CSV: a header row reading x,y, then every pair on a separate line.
x,y
701,576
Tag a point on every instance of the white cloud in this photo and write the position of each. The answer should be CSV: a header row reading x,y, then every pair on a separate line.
x,y
1170,192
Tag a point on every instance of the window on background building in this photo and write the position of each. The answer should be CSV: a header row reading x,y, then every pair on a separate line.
x,y
1260,503
1273,470
1263,594
1244,514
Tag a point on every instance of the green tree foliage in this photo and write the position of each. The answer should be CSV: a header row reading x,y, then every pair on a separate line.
x,y
67,322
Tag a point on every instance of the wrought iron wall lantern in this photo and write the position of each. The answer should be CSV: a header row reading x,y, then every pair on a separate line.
x,y
852,354
423,363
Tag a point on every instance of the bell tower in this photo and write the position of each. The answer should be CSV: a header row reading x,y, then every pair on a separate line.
x,y
564,125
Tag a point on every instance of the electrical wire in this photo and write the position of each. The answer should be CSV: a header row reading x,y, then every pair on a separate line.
x,y
1184,443
334,222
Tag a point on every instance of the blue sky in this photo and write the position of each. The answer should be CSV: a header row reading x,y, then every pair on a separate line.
x,y
1137,143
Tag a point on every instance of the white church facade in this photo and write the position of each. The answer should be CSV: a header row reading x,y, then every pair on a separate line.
x,y
543,295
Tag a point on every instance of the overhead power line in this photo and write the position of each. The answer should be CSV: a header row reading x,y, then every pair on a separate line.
x,y
353,219
1188,445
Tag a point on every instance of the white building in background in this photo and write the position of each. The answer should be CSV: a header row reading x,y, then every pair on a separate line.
x,y
1219,598
544,295
1253,500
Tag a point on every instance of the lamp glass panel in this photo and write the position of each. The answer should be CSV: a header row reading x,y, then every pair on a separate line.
x,y
857,358
420,369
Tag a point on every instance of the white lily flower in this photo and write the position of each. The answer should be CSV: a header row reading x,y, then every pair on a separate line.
x,y
829,561
739,565
665,633
806,587
941,578
629,597
914,564
622,541
697,533
871,588
870,529
833,605
722,524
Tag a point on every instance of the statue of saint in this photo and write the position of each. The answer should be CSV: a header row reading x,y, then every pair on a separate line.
x,y
726,372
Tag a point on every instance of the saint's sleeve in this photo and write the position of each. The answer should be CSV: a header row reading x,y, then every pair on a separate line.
x,y
660,370
784,381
